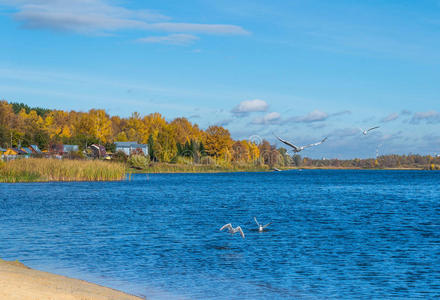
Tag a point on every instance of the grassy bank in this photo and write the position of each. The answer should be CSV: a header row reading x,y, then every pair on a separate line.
x,y
40,170
198,168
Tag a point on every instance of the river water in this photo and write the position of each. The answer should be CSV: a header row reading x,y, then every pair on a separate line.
x,y
334,234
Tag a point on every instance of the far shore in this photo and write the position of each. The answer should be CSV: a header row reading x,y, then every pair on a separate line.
x,y
52,170
18,282
256,170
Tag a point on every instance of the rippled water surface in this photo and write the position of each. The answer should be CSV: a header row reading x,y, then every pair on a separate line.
x,y
334,234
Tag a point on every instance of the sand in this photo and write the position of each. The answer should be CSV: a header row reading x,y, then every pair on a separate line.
x,y
18,282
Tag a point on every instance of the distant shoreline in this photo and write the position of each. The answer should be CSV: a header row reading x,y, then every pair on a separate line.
x,y
209,171
51,170
17,281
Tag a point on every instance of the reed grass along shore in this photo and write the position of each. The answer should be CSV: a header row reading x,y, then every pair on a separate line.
x,y
41,170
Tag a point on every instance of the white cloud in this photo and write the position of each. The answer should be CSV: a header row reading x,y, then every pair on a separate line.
x,y
270,118
390,117
344,132
430,117
314,116
340,113
224,122
102,16
172,39
198,28
248,106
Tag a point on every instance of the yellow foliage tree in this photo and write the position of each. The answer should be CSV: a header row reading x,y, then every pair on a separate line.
x,y
55,122
102,126
218,142
153,124
7,115
165,145
135,128
121,137
185,131
65,133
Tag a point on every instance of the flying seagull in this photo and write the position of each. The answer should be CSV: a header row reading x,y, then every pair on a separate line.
x,y
261,227
233,230
297,149
366,131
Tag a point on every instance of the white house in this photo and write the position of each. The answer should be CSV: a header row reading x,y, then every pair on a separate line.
x,y
129,147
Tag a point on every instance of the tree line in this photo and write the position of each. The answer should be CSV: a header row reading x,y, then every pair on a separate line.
x,y
391,161
178,140
21,125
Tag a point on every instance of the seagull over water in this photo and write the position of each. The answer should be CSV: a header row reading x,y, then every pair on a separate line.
x,y
233,230
366,131
261,227
297,149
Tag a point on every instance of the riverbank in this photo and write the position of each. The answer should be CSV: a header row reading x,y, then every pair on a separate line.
x,y
198,168
43,170
18,282
176,168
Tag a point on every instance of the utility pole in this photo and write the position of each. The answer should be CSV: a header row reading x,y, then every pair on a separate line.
x,y
377,150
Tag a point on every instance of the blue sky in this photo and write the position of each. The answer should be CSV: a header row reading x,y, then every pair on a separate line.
x,y
300,69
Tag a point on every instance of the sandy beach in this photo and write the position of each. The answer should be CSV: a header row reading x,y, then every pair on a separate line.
x,y
18,282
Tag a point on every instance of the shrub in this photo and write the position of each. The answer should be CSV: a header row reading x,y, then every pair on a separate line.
x,y
137,151
184,160
139,162
207,160
120,157
76,155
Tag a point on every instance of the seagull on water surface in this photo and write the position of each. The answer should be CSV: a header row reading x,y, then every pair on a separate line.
x,y
297,149
261,227
364,132
233,230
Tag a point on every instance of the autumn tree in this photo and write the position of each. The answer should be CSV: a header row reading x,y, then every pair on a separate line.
x,y
153,124
269,154
7,117
185,131
102,126
218,142
165,147
297,160
240,151
135,128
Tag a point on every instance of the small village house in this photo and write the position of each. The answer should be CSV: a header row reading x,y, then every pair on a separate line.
x,y
98,151
129,147
26,150
35,149
12,153
60,149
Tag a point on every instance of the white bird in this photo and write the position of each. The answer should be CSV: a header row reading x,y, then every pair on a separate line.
x,y
297,149
261,227
233,230
366,131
